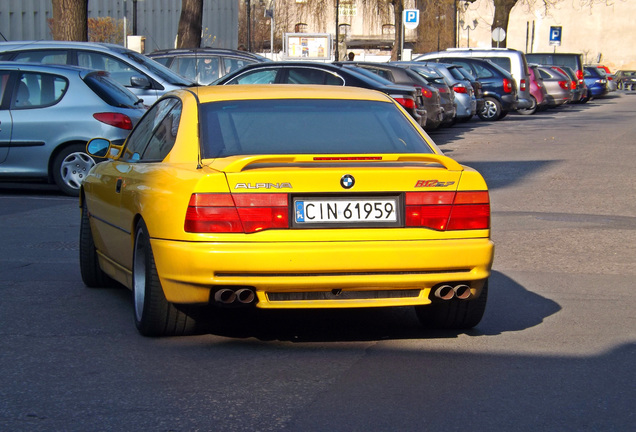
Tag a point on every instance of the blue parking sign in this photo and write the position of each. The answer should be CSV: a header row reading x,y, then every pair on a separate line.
x,y
555,35
411,18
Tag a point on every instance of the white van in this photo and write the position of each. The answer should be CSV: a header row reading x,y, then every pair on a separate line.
x,y
512,60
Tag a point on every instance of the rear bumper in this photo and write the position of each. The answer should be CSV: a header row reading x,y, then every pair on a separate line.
x,y
509,102
524,103
191,271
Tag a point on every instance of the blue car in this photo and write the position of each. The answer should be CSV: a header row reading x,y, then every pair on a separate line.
x,y
49,112
596,82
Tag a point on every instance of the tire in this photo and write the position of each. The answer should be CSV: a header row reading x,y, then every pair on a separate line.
x,y
455,313
491,110
70,166
531,110
154,315
92,274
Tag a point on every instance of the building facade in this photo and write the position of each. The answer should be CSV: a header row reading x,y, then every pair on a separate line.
x,y
155,20
601,31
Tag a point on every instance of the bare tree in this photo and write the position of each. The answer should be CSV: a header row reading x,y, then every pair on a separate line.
x,y
504,7
190,24
70,20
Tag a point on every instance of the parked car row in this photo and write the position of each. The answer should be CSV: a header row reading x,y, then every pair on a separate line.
x,y
103,90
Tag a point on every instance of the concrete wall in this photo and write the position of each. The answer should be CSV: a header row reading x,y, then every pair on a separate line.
x,y
157,20
605,31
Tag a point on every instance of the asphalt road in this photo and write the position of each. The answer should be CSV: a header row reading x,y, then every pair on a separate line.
x,y
555,351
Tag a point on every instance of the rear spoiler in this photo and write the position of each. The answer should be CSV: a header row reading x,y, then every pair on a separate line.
x,y
242,162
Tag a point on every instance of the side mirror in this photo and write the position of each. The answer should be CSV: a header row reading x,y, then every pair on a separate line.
x,y
98,147
102,148
139,81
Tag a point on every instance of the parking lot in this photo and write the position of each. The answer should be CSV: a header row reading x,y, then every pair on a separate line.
x,y
554,351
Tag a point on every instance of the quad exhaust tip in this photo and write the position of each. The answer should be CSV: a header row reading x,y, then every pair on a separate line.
x,y
448,292
241,296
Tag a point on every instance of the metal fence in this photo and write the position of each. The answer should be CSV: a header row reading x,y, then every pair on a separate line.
x,y
156,20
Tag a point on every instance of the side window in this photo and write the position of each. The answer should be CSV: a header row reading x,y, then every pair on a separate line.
x,y
267,76
164,136
141,135
381,72
207,70
306,76
4,78
232,64
43,56
119,70
184,66
37,90
481,71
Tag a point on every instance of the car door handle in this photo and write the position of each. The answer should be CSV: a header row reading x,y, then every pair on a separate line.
x,y
118,187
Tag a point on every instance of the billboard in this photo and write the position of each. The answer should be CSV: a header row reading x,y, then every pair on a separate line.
x,y
307,46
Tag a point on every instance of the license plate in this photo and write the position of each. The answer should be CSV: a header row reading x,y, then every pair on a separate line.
x,y
376,210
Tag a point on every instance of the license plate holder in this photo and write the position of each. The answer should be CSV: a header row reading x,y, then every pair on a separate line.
x,y
347,212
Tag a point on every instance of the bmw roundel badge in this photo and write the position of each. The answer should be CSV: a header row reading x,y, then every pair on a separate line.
x,y
347,181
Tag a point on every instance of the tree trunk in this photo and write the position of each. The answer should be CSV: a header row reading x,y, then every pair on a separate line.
x,y
398,8
190,24
70,20
501,18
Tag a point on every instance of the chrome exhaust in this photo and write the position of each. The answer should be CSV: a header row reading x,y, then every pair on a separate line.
x,y
224,296
444,292
462,292
245,295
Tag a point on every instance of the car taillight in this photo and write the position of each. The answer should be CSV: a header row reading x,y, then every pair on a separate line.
x,y
406,102
522,85
238,213
427,93
573,85
579,75
507,85
448,211
564,85
460,88
121,121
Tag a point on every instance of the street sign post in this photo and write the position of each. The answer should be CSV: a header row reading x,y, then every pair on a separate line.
x,y
498,35
410,20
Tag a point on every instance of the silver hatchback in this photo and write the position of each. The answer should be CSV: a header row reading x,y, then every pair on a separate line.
x,y
49,112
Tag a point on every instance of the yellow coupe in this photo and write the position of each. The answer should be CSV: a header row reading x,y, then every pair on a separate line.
x,y
284,197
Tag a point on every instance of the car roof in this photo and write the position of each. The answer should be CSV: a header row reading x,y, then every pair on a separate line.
x,y
197,51
44,67
282,91
17,45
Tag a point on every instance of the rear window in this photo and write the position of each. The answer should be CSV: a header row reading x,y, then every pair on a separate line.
x,y
109,91
572,61
502,62
306,126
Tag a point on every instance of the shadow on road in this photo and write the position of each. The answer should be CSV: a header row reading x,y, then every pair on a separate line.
x,y
372,324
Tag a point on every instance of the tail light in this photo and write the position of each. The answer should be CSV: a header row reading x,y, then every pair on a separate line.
x,y
522,85
448,211
121,121
579,75
460,88
507,85
564,85
573,85
406,102
238,213
427,93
